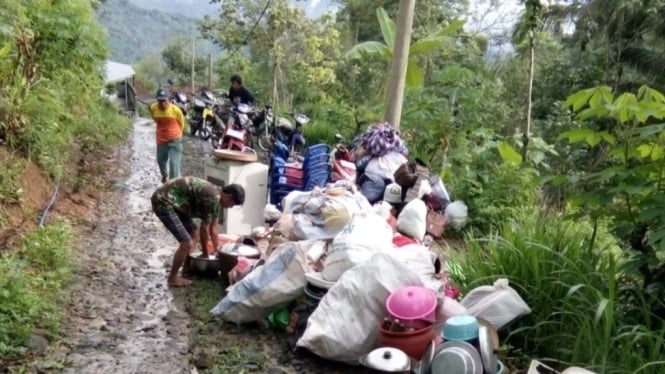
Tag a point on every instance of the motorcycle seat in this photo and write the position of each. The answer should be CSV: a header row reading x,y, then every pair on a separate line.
x,y
237,134
285,123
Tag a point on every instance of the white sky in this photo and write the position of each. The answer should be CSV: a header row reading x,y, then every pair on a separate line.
x,y
490,19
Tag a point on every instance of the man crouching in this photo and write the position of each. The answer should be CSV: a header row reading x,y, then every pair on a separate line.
x,y
177,202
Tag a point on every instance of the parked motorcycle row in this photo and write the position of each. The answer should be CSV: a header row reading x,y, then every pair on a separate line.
x,y
234,126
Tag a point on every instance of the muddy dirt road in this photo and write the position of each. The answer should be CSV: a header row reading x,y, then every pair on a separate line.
x,y
123,318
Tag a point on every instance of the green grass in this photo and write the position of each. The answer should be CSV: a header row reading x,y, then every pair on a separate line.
x,y
317,133
32,281
580,315
10,193
216,346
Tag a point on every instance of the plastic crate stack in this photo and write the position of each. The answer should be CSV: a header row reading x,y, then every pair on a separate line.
x,y
314,171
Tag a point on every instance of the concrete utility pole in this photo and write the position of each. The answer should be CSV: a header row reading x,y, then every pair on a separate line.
x,y
399,62
209,71
193,58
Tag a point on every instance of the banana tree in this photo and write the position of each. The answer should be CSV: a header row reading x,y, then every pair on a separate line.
x,y
414,74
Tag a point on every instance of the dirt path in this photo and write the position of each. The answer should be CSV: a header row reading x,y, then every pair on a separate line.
x,y
123,318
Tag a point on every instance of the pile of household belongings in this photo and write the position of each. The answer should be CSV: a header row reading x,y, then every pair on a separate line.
x,y
355,254
384,173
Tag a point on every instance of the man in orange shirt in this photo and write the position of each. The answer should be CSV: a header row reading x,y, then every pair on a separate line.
x,y
170,125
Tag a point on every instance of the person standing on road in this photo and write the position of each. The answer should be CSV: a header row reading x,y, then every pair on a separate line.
x,y
177,202
170,126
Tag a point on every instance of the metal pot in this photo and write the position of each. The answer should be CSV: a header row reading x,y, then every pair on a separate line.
x,y
228,257
387,360
207,266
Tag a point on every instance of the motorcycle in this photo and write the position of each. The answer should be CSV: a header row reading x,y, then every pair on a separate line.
x,y
282,132
178,98
203,115
243,125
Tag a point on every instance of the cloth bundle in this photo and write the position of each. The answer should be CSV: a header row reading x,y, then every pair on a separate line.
x,y
381,139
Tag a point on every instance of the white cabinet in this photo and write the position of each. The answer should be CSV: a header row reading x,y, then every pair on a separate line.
x,y
253,177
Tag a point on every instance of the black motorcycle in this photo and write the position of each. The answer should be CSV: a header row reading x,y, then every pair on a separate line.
x,y
281,133
178,98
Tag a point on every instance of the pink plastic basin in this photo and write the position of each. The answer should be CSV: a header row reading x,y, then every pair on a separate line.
x,y
412,303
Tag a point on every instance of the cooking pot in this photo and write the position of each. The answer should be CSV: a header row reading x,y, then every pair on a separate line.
x,y
387,360
228,257
204,266
456,357
413,343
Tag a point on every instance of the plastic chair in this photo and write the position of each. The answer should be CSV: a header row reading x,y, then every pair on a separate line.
x,y
317,159
315,168
316,150
317,180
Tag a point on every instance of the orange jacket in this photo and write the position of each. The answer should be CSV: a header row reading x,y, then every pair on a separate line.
x,y
170,122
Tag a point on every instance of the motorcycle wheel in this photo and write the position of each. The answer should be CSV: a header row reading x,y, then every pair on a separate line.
x,y
193,128
265,142
297,149
205,132
249,141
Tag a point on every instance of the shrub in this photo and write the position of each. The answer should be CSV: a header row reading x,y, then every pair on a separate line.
x,y
50,97
494,194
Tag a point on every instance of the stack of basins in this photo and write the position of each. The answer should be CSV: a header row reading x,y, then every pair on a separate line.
x,y
408,326
466,345
468,348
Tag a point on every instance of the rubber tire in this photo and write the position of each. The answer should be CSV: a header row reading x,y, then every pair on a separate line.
x,y
265,142
206,130
297,149
193,128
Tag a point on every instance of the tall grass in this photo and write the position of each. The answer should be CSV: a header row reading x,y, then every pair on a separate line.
x,y
31,286
574,288
319,133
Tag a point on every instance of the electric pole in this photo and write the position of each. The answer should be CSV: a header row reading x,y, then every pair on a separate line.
x,y
396,84
193,59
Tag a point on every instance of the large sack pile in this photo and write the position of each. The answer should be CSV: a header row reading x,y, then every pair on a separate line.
x,y
355,245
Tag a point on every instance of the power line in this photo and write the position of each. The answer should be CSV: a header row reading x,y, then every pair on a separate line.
x,y
249,34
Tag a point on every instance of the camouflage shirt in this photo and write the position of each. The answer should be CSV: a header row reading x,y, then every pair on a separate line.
x,y
191,196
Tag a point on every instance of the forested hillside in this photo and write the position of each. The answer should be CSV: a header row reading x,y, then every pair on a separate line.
x,y
135,33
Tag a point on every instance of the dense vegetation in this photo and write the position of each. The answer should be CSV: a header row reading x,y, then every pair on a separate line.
x,y
563,180
51,112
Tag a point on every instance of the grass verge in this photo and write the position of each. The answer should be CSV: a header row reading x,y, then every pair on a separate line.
x,y
32,281
216,346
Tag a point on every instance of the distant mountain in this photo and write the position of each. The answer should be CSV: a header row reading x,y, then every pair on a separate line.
x,y
141,28
189,8
135,32
199,8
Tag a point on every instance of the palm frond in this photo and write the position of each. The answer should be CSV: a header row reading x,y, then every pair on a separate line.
x,y
644,60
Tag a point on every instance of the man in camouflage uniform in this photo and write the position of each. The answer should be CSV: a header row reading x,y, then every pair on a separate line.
x,y
180,200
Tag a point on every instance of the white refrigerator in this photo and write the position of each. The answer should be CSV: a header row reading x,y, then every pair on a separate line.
x,y
253,177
